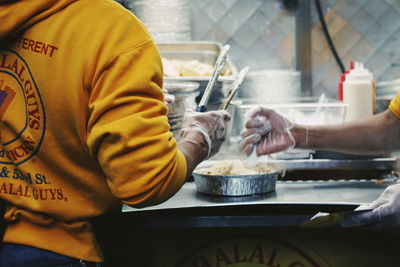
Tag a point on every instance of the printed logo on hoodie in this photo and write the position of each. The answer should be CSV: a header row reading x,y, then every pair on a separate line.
x,y
21,110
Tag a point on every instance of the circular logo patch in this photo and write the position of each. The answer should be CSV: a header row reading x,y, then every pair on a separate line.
x,y
22,114
250,250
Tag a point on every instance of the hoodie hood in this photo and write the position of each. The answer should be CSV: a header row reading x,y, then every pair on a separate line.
x,y
17,15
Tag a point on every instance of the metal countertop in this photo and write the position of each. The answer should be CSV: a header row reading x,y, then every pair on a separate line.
x,y
286,193
291,204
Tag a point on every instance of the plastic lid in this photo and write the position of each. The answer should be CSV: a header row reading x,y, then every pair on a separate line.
x,y
359,73
351,64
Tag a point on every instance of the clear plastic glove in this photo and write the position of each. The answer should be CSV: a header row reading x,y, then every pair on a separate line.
x,y
168,98
210,124
267,130
382,214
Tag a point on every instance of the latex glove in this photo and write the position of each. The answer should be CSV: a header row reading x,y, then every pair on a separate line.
x,y
211,125
168,98
267,130
382,214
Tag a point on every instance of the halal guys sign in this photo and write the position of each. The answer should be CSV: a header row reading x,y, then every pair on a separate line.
x,y
251,251
21,110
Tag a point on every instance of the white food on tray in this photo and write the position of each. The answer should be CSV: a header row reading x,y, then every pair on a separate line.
x,y
189,68
236,167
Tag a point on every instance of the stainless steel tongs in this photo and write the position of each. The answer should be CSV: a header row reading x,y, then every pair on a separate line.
x,y
202,107
236,84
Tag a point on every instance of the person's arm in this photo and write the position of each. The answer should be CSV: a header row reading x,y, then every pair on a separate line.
x,y
195,149
201,136
377,134
382,214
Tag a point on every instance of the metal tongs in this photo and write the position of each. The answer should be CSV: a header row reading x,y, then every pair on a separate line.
x,y
202,107
236,84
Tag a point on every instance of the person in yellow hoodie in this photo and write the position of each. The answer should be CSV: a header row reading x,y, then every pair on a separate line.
x,y
84,127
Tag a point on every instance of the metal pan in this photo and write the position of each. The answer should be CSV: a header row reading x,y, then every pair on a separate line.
x,y
236,185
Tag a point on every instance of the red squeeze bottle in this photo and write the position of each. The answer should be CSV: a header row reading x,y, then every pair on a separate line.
x,y
342,79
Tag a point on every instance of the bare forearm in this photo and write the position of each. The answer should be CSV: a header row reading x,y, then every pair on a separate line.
x,y
378,134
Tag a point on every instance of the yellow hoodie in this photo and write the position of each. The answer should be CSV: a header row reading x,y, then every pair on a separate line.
x,y
394,106
83,123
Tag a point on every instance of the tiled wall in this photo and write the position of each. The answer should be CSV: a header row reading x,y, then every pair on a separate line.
x,y
363,30
261,35
259,32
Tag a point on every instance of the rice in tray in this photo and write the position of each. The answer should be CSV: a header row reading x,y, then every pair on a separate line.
x,y
236,167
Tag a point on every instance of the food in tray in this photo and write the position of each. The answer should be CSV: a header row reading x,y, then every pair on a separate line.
x,y
236,167
183,68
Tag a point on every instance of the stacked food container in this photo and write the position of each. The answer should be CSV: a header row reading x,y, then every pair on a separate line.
x,y
188,67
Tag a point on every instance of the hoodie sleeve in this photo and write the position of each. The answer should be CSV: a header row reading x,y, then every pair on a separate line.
x,y
128,129
394,106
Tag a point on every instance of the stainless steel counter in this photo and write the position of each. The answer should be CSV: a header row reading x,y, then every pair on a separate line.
x,y
288,193
289,205
196,227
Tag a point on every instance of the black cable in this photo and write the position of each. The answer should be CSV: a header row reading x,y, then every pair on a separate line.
x,y
327,36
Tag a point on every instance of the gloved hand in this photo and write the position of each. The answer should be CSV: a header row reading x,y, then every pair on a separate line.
x,y
382,214
211,125
168,98
267,130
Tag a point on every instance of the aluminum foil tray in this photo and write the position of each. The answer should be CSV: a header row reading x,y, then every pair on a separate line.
x,y
236,185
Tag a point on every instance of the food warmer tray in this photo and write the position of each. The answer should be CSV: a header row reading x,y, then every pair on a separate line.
x,y
332,169
338,169
204,52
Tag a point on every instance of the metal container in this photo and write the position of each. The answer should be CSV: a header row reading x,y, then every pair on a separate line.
x,y
235,185
185,94
275,84
391,87
204,52
385,92
167,20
